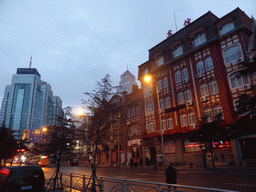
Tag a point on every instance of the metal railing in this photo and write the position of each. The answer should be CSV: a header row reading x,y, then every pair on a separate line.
x,y
77,182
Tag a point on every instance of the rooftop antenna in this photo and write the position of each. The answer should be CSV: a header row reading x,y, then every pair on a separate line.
x,y
30,62
127,67
175,21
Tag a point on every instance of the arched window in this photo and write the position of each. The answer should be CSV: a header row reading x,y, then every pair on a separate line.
x,y
151,127
191,118
188,96
208,114
213,87
226,28
169,123
167,102
204,90
200,67
217,109
208,64
177,77
198,39
232,54
237,80
184,73
183,119
163,124
180,96
134,130
165,82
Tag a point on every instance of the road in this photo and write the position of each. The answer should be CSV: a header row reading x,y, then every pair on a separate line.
x,y
231,180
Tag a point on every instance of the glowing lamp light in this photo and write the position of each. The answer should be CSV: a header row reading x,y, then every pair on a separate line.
x,y
147,78
44,129
80,112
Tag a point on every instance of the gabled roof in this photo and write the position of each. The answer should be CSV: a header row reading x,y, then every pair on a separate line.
x,y
127,72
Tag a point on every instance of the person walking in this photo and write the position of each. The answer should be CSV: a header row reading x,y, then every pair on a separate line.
x,y
171,175
131,162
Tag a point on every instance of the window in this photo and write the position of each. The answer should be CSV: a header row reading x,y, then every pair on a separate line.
x,y
165,82
161,103
146,71
188,96
204,90
148,90
183,119
200,67
199,39
160,60
133,111
134,130
151,127
208,64
217,109
184,73
167,101
232,54
137,111
180,96
169,123
159,85
237,80
177,51
226,28
208,114
149,107
191,118
213,87
177,77
163,124
128,113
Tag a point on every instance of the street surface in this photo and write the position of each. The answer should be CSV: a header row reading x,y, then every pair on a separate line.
x,y
222,179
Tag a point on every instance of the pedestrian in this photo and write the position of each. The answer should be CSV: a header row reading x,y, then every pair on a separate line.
x,y
160,161
171,175
135,162
147,161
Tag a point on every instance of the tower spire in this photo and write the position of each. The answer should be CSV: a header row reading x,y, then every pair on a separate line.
x,y
30,62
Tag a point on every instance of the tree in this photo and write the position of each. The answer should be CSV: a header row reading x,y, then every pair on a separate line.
x,y
210,131
8,144
101,109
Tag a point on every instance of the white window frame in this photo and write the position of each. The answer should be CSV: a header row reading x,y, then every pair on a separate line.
x,y
187,95
226,28
208,64
165,82
213,86
177,76
199,39
237,80
200,67
151,126
191,118
161,103
184,73
160,60
167,101
204,90
218,109
180,97
208,114
163,124
177,51
183,119
149,107
159,85
232,54
169,123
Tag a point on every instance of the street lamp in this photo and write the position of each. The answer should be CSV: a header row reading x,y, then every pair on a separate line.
x,y
148,79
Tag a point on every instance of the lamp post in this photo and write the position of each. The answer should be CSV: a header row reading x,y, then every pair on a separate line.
x,y
148,79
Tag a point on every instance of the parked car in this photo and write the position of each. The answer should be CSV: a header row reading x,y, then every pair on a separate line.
x,y
22,178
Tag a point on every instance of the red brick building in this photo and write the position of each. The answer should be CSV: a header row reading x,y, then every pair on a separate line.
x,y
195,75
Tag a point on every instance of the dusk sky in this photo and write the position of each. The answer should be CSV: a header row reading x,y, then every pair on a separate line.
x,y
74,43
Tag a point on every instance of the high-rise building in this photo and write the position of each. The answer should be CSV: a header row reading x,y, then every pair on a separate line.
x,y
126,83
28,103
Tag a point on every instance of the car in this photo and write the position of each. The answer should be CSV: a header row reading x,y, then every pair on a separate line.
x,y
22,178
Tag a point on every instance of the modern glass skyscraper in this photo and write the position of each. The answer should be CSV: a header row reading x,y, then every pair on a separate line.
x,y
28,103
